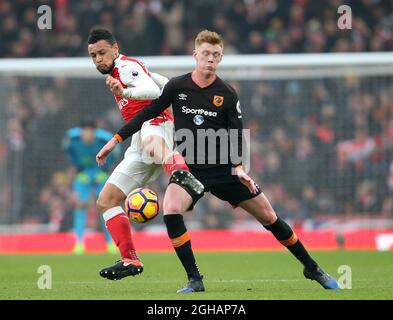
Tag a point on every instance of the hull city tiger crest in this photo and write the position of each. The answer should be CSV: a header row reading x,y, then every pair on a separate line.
x,y
218,101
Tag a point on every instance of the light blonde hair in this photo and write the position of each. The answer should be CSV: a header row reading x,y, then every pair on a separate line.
x,y
210,37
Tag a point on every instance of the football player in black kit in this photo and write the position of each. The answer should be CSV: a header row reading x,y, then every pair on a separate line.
x,y
202,101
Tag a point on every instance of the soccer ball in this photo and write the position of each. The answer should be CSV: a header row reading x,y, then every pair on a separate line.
x,y
141,205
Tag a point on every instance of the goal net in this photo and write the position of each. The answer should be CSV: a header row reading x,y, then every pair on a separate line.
x,y
321,129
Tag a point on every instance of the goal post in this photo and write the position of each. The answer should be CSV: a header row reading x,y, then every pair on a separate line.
x,y
234,67
321,131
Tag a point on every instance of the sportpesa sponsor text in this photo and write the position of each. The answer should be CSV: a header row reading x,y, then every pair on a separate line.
x,y
200,111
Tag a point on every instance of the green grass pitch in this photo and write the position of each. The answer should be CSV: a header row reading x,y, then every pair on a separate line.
x,y
232,276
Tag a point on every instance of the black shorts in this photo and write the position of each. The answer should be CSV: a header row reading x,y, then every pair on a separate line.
x,y
223,184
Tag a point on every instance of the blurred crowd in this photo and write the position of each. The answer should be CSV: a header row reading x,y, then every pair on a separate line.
x,y
317,146
167,27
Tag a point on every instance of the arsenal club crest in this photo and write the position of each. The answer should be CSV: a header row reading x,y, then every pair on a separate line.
x,y
218,101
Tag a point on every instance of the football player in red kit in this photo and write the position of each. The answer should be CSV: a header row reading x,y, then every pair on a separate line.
x,y
151,149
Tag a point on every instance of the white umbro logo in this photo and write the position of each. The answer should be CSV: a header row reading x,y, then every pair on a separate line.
x,y
182,96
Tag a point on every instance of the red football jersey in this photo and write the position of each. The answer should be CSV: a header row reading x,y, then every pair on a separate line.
x,y
132,73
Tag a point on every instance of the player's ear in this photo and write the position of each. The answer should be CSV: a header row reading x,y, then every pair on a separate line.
x,y
194,53
116,47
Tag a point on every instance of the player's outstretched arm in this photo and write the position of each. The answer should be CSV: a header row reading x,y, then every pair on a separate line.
x,y
140,85
103,154
159,80
246,179
150,112
144,91
235,123
135,124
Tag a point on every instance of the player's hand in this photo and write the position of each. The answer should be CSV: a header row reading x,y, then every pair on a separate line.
x,y
114,85
246,180
105,151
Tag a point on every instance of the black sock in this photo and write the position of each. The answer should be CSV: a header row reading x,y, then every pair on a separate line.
x,y
283,233
181,242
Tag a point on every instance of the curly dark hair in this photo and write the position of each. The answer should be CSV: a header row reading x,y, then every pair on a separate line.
x,y
100,33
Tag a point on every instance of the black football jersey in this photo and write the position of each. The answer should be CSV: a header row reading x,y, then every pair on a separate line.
x,y
208,121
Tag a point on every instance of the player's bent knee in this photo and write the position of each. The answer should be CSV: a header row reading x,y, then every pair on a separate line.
x,y
172,207
154,146
100,204
151,142
148,146
148,140
269,218
260,208
264,215
105,203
